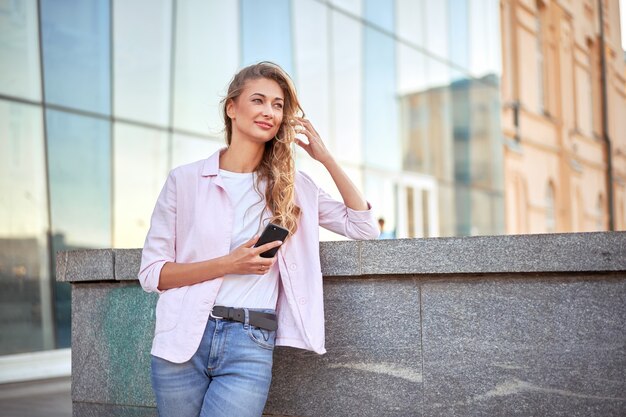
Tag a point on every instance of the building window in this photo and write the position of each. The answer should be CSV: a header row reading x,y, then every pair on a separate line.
x,y
550,212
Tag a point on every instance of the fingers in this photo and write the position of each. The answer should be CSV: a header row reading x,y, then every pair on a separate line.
x,y
302,143
267,246
263,267
308,127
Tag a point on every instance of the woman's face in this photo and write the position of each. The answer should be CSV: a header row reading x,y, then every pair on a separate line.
x,y
258,112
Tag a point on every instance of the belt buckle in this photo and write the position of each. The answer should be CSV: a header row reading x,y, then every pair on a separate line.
x,y
214,316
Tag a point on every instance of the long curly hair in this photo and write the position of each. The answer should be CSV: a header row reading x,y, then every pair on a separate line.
x,y
277,167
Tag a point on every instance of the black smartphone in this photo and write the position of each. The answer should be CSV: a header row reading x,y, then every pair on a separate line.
x,y
271,233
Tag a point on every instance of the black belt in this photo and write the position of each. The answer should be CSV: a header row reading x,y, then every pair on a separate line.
x,y
265,321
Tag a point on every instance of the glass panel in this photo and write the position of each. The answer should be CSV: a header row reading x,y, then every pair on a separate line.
x,y
25,288
487,212
79,173
380,13
142,36
478,212
187,149
311,60
458,32
484,37
382,146
76,53
266,32
437,28
347,88
79,163
447,210
204,66
19,50
352,6
382,195
425,117
486,152
323,180
411,21
140,169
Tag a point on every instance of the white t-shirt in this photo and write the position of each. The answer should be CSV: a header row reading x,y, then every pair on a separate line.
x,y
250,291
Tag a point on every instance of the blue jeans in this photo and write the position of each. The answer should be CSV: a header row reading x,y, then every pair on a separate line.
x,y
228,376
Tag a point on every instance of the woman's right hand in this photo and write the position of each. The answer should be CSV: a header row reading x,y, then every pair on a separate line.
x,y
245,259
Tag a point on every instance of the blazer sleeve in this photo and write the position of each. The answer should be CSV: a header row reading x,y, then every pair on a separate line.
x,y
160,244
337,217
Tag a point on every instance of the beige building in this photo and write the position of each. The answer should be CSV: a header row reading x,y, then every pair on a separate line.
x,y
558,151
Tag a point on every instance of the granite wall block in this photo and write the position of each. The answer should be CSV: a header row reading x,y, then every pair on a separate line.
x,y
373,365
571,252
518,346
112,330
85,265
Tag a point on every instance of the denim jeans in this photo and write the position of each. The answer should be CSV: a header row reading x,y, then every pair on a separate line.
x,y
228,376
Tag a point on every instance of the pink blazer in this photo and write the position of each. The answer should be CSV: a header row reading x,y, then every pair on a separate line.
x,y
192,221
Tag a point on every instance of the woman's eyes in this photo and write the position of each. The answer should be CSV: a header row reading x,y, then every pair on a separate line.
x,y
260,101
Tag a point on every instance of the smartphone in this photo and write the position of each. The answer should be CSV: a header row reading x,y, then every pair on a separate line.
x,y
271,233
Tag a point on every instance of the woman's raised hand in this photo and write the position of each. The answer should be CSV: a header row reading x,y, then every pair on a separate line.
x,y
245,259
315,148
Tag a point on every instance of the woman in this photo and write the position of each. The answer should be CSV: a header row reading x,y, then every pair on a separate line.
x,y
222,308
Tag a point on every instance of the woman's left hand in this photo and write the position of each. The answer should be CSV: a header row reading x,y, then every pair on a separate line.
x,y
315,148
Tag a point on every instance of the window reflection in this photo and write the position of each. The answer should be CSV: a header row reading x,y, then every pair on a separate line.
x,y
140,169
437,28
380,13
204,66
458,32
79,171
269,40
484,37
142,59
347,88
450,130
427,130
381,193
380,106
76,53
25,299
187,149
313,79
19,50
79,175
352,6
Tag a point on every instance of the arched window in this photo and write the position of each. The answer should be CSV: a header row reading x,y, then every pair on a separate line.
x,y
550,211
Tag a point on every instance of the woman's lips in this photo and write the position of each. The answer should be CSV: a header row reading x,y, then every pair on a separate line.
x,y
264,125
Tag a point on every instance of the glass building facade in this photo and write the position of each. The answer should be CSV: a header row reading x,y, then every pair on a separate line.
x,y
99,99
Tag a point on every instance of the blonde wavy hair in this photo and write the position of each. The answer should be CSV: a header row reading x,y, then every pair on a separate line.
x,y
277,167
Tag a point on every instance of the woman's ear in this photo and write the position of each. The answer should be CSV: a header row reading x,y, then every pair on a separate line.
x,y
230,108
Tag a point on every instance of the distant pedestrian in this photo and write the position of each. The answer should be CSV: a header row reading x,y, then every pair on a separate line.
x,y
384,234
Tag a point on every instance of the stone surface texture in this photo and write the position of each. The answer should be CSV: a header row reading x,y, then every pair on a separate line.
x,y
85,265
435,327
571,252
127,263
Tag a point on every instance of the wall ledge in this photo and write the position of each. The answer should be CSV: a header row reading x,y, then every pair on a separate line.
x,y
565,252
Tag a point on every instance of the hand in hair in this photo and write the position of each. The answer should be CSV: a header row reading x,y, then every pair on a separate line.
x,y
315,148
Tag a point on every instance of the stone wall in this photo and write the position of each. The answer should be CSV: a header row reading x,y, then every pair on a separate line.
x,y
530,325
